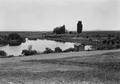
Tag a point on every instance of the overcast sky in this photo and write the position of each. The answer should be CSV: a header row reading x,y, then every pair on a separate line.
x,y
43,15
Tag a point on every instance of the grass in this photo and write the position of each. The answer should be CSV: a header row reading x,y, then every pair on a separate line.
x,y
94,38
95,69
38,34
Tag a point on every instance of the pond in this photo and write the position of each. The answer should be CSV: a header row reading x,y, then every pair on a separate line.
x,y
38,45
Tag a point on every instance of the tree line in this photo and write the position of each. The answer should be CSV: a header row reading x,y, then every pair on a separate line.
x,y
63,30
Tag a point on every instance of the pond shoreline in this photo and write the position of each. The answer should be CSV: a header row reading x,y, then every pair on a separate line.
x,y
39,45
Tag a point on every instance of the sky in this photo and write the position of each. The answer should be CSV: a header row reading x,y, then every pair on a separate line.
x,y
44,15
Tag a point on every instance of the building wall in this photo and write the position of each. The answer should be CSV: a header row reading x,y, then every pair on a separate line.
x,y
88,47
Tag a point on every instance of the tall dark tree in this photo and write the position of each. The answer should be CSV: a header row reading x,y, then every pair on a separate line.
x,y
79,27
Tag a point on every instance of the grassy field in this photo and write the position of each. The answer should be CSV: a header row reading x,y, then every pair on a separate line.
x,y
85,67
95,38
83,37
38,34
99,68
26,34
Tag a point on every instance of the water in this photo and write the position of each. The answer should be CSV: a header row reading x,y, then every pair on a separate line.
x,y
38,45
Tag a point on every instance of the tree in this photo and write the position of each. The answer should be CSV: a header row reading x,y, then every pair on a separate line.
x,y
79,27
14,36
15,39
59,30
62,29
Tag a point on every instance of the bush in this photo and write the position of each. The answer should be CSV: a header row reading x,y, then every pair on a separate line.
x,y
27,52
3,53
58,49
48,50
69,50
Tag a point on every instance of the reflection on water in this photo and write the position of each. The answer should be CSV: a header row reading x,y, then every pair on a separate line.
x,y
38,45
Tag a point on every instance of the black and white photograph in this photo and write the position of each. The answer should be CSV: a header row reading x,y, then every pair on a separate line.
x,y
59,41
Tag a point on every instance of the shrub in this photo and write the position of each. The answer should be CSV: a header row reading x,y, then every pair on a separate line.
x,y
69,50
27,52
58,49
3,53
48,50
